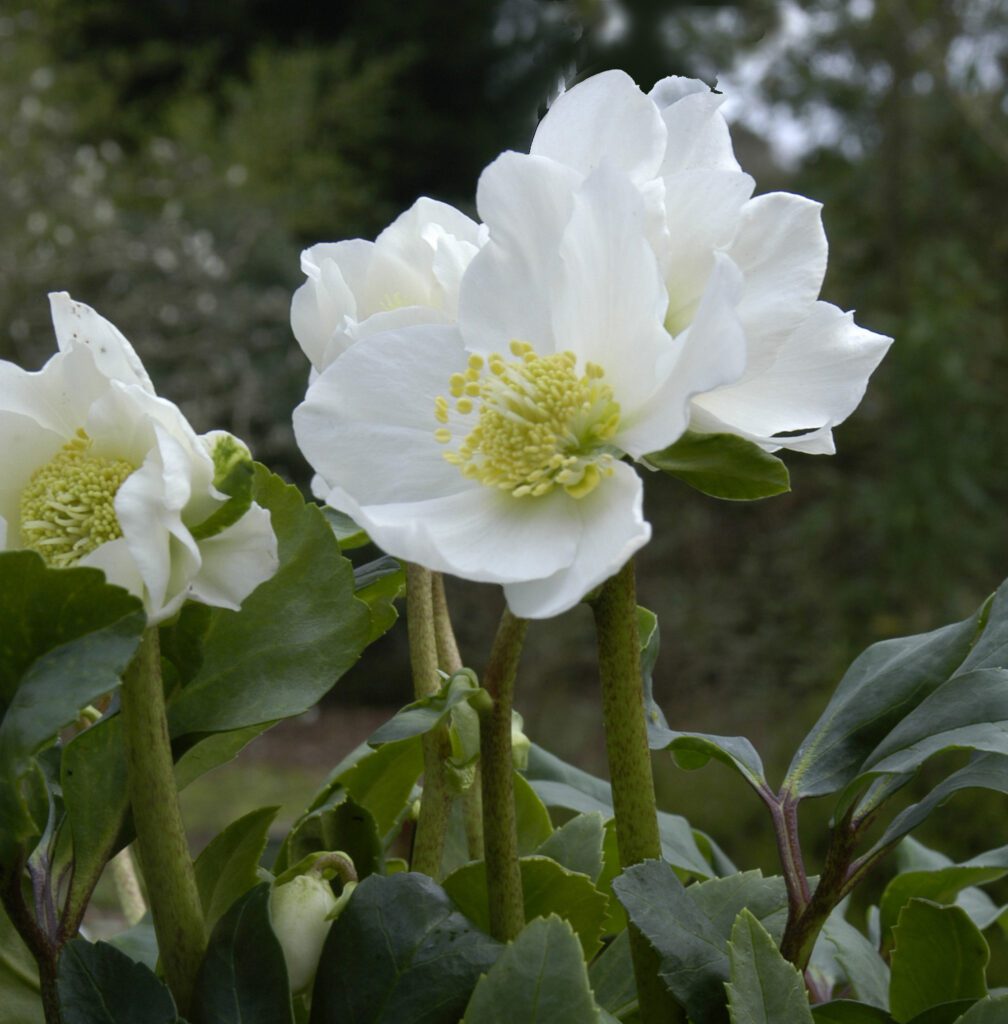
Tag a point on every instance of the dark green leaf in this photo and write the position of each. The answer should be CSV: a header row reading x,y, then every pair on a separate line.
x,y
139,943
944,1013
845,1011
99,985
294,636
723,899
19,981
429,712
612,978
993,1010
547,889
939,956
67,637
400,952
339,824
227,867
693,954
880,688
540,978
991,648
723,466
378,584
532,820
865,971
243,977
577,845
764,988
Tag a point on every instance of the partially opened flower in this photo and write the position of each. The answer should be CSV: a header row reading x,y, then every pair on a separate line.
x,y
97,470
493,450
807,362
410,274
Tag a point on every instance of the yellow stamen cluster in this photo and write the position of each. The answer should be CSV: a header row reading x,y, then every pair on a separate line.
x,y
540,425
67,506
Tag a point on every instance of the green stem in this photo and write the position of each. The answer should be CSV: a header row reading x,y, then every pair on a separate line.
x,y
636,812
161,838
42,946
500,833
435,805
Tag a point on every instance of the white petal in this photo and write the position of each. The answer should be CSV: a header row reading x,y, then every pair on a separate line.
x,y
712,352
408,235
605,117
817,380
114,559
611,528
367,423
77,324
480,533
698,136
608,298
781,250
26,447
526,202
236,561
320,305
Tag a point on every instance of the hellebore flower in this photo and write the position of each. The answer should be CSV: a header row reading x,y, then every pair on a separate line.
x,y
807,362
408,275
492,450
97,470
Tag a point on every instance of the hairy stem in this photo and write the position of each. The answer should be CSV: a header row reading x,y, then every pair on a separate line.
x,y
435,805
636,812
161,838
500,835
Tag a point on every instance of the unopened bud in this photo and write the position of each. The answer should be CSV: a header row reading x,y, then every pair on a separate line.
x,y
301,912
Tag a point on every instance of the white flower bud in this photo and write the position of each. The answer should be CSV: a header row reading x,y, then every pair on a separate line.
x,y
299,913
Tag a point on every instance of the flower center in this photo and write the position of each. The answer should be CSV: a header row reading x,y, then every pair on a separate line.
x,y
67,506
539,425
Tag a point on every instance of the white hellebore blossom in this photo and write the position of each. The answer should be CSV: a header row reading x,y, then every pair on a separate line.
x,y
806,363
409,274
97,470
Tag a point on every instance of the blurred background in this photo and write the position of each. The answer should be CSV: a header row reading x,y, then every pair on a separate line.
x,y
165,162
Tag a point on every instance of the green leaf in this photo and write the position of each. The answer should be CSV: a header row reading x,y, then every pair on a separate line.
x,y
723,466
19,981
559,784
883,685
865,971
616,919
547,888
764,988
992,1010
399,952
939,956
723,899
67,638
347,532
243,977
532,820
577,845
99,985
692,952
944,1013
228,866
845,1011
429,712
540,978
339,824
941,885
379,584
612,978
293,637
991,648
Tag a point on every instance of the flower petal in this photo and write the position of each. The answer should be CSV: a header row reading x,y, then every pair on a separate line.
x,y
698,136
816,381
526,202
367,422
77,324
610,527
236,560
605,117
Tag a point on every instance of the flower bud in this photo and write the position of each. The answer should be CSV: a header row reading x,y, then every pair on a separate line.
x,y
299,913
520,743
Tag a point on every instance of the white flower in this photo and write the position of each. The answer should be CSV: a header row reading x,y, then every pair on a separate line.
x,y
97,470
492,450
410,274
807,363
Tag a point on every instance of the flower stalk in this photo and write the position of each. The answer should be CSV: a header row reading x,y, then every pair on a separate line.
x,y
500,833
161,839
636,813
435,805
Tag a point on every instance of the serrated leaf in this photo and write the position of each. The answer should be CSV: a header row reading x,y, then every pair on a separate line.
x,y
764,988
723,899
540,978
547,889
883,684
939,956
243,977
559,784
723,466
227,867
99,985
577,845
400,951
